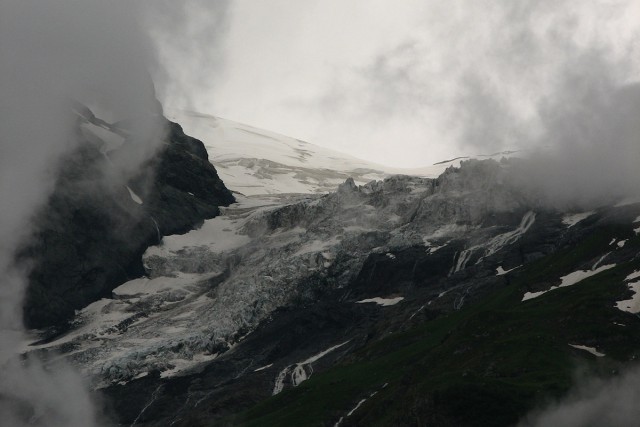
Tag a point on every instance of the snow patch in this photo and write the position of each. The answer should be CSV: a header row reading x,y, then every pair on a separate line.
x,y
588,349
316,246
632,276
301,371
572,219
631,305
134,196
600,261
418,310
577,276
181,365
263,368
621,243
220,234
569,280
501,271
356,407
146,286
385,302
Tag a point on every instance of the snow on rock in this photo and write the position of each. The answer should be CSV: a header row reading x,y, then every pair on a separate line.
x,y
385,302
569,280
597,263
621,243
301,371
220,234
161,284
317,245
588,349
263,368
431,247
633,275
179,365
134,196
635,221
501,271
355,408
572,219
631,305
577,276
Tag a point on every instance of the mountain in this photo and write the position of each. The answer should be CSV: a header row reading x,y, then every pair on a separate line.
x,y
454,299
254,161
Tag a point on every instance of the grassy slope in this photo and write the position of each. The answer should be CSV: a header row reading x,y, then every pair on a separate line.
x,y
488,364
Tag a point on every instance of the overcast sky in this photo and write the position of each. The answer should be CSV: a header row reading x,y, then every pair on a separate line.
x,y
403,83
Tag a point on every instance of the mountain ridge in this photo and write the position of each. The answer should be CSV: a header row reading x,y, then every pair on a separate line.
x,y
331,308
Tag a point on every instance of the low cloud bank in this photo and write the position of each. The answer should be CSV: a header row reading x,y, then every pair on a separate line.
x,y
56,52
611,403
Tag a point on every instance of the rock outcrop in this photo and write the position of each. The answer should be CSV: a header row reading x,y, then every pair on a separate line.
x,y
98,222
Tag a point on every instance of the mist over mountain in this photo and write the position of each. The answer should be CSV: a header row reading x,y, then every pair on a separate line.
x,y
56,54
167,266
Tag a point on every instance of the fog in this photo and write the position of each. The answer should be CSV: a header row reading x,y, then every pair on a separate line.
x,y
612,403
592,152
52,53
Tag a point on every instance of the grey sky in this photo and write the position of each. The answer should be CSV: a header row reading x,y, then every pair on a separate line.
x,y
401,83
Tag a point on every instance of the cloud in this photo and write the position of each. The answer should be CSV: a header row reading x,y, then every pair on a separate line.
x,y
612,403
188,37
55,52
411,83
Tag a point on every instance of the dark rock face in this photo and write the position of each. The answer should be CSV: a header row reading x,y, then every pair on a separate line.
x,y
91,235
